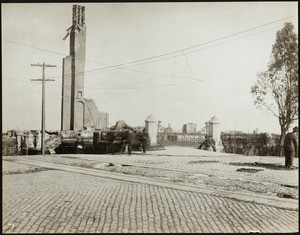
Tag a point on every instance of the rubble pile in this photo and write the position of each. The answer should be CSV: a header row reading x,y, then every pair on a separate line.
x,y
120,125
52,143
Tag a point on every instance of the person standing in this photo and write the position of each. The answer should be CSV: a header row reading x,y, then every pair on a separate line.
x,y
145,138
130,139
290,147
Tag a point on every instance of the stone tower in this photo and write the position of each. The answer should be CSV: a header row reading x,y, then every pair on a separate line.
x,y
72,113
76,110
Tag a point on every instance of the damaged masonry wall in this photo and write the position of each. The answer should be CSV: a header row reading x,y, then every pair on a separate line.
x,y
78,111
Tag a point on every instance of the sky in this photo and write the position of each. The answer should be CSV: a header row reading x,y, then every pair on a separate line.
x,y
205,58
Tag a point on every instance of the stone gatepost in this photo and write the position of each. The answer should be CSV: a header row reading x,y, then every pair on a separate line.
x,y
19,140
39,140
213,129
151,125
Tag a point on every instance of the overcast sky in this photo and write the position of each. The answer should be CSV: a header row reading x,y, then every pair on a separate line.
x,y
218,50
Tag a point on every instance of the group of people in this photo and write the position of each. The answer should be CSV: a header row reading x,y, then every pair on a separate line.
x,y
131,138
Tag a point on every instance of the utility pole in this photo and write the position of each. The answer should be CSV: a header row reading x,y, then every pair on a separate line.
x,y
43,80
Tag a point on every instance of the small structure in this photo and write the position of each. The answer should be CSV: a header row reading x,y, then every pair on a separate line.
x,y
151,124
213,130
168,129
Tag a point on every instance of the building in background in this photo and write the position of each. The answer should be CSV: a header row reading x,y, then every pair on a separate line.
x,y
189,128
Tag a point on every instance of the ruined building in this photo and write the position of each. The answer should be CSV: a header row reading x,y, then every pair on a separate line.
x,y
78,111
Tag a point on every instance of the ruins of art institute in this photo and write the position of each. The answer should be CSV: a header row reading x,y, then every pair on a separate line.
x,y
84,127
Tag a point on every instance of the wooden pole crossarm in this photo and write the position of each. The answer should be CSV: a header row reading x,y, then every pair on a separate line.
x,y
43,80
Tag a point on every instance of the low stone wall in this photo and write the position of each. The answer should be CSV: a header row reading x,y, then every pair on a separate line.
x,y
263,144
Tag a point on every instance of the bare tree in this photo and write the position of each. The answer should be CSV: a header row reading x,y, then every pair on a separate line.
x,y
276,89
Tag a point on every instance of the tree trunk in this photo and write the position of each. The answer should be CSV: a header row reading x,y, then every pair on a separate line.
x,y
282,135
283,129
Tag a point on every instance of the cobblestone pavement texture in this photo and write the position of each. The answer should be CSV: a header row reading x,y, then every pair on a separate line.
x,y
37,199
53,201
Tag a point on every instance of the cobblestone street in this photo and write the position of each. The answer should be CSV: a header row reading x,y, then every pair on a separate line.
x,y
47,200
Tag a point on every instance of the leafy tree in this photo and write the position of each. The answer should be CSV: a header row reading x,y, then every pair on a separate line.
x,y
276,89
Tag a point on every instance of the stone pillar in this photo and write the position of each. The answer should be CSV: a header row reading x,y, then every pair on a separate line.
x,y
39,140
213,129
30,140
19,139
151,125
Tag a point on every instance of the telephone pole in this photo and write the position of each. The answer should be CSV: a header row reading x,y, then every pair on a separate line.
x,y
43,80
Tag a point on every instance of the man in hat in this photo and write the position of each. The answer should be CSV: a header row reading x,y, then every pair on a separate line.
x,y
290,147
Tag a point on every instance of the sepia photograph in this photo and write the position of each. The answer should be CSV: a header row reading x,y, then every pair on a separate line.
x,y
150,117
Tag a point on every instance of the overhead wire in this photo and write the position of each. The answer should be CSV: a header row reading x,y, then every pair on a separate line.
x,y
119,88
185,49
188,65
78,58
17,90
174,70
17,80
183,53
171,57
185,56
123,65
23,92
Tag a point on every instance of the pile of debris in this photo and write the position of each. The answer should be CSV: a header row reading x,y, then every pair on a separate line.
x,y
121,125
52,143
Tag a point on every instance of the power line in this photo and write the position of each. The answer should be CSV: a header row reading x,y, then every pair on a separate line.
x,y
40,49
161,55
36,48
171,58
119,88
17,90
188,64
17,80
23,92
188,48
174,69
175,57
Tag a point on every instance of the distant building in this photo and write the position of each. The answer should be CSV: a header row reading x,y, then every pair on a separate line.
x,y
168,129
189,128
